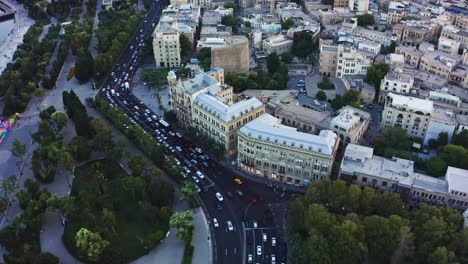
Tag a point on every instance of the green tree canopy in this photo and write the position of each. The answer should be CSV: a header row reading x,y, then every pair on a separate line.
x,y
321,96
365,20
185,45
19,149
90,243
287,24
228,20
182,221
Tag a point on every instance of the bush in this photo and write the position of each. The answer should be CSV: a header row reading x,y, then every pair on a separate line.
x,y
326,84
321,96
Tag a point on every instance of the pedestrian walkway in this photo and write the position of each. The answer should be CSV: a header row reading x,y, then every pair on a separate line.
x,y
201,239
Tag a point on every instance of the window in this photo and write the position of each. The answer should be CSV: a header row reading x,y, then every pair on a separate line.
x,y
364,179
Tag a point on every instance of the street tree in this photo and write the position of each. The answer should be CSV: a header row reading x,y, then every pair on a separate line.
x,y
9,186
182,221
461,139
19,149
189,192
273,63
108,218
90,244
59,119
133,183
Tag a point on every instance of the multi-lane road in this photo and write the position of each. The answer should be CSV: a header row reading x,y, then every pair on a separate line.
x,y
244,201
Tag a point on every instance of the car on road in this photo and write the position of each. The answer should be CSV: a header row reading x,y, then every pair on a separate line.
x,y
186,169
179,149
219,197
273,259
238,181
230,226
265,238
250,258
273,241
255,225
229,194
259,250
199,174
199,150
195,179
240,193
179,135
215,222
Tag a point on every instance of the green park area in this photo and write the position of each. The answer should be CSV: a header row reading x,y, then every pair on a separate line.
x,y
117,217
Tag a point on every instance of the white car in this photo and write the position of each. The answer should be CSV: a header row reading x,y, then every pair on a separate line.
x,y
179,135
230,226
186,170
265,238
255,225
273,241
199,174
215,222
250,258
273,259
259,250
195,179
219,197
147,111
179,149
199,150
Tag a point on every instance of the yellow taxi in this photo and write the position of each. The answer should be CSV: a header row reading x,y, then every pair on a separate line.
x,y
238,181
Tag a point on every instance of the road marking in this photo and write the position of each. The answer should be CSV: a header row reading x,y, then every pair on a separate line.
x,y
235,251
226,251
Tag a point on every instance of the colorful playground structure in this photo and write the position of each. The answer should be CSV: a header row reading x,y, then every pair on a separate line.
x,y
6,125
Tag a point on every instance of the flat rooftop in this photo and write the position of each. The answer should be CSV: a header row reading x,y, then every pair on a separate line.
x,y
416,104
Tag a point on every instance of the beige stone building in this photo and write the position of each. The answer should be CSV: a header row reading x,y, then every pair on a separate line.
x,y
439,63
410,113
350,124
232,56
413,34
304,119
328,60
352,61
396,12
216,116
455,33
461,21
268,149
412,54
396,81
447,45
340,3
279,44
360,166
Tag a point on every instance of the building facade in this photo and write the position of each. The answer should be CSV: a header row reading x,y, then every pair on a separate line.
x,y
350,124
439,63
274,151
410,113
395,81
232,56
328,60
279,44
352,61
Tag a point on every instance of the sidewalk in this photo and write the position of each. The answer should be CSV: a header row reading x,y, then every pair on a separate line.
x,y
202,247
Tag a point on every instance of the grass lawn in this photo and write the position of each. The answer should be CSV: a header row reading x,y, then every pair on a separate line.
x,y
100,182
155,77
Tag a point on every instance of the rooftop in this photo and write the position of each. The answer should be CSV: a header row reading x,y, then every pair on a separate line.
x,y
349,116
457,179
442,59
416,104
301,114
268,128
198,82
224,112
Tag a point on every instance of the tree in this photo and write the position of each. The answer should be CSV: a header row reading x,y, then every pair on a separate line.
x,y
137,165
79,148
375,74
189,191
60,119
9,185
326,84
46,258
230,5
454,155
32,186
108,218
84,66
365,20
18,149
461,139
90,243
391,138
133,183
103,140
185,45
321,96
442,256
273,63
303,44
287,57
182,221
287,24
247,24
436,167
442,139
228,20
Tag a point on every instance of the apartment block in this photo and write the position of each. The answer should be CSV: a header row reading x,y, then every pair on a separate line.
x,y
360,166
439,63
447,45
412,55
413,33
304,119
279,44
382,37
457,34
358,5
268,149
396,12
395,81
328,60
174,21
350,124
410,113
352,61
441,121
461,21
220,119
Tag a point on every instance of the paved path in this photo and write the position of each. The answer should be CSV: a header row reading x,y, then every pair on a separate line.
x,y
93,43
15,37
